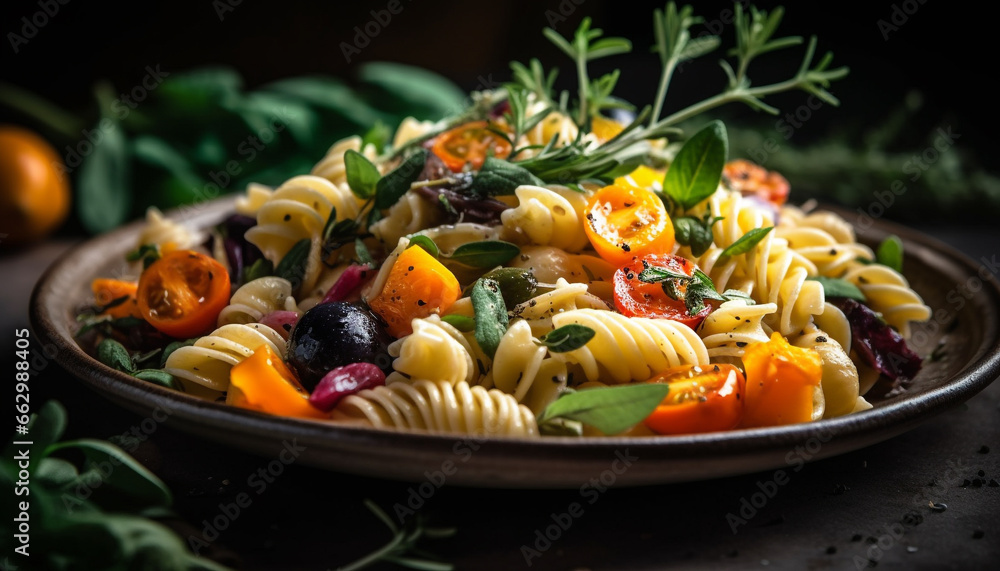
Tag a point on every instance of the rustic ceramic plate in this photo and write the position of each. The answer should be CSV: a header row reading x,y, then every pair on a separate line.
x,y
965,330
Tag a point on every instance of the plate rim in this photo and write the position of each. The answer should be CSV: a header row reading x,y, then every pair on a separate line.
x,y
141,396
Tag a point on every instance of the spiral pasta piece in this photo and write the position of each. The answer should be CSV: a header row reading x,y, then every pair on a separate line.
x,y
255,196
438,407
256,299
733,326
539,311
165,233
781,278
550,216
628,349
210,359
331,166
889,293
522,368
298,210
830,256
840,376
435,351
410,215
410,129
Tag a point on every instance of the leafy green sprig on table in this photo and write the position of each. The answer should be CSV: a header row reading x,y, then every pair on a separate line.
x,y
88,516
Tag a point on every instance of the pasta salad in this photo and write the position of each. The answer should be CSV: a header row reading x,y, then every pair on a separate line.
x,y
536,264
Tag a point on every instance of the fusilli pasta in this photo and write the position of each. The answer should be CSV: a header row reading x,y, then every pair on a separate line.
x,y
208,361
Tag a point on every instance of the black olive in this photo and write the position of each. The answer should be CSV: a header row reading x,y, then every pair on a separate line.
x,y
335,334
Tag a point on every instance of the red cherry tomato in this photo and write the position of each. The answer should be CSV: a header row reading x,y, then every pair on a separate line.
x,y
182,293
636,298
470,143
702,398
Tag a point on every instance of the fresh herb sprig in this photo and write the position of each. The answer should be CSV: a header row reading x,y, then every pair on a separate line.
x,y
579,159
693,290
402,548
587,45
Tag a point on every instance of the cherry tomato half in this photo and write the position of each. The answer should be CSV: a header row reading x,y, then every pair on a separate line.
x,y
182,293
625,223
470,143
752,179
702,398
636,298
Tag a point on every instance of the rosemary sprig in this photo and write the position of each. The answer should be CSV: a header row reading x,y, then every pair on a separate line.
x,y
579,159
587,45
398,550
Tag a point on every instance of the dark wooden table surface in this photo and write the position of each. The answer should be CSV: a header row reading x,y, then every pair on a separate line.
x,y
863,509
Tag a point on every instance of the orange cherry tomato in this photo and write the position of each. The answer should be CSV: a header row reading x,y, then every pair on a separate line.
x,y
636,298
781,382
263,383
702,398
470,143
418,285
182,293
752,179
108,290
627,223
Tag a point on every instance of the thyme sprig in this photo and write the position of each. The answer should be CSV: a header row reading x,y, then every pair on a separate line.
x,y
582,158
402,547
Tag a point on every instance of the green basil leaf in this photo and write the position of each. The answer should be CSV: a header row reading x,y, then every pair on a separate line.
x,y
890,253
485,254
697,169
114,355
104,198
159,153
654,274
560,427
394,185
293,266
694,232
327,94
423,93
46,427
608,409
362,175
378,136
461,322
746,241
491,315
836,287
159,377
567,338
128,484
56,472
426,243
683,229
498,177
705,285
259,269
173,346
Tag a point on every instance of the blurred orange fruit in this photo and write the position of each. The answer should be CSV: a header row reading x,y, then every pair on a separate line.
x,y
34,192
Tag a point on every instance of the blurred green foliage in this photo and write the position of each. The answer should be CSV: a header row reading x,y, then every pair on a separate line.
x,y
201,133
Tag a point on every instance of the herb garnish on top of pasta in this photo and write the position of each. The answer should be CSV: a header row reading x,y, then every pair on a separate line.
x,y
531,266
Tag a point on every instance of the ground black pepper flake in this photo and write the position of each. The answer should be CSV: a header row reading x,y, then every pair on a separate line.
x,y
857,537
288,217
994,484
831,550
821,339
984,449
980,473
978,534
966,483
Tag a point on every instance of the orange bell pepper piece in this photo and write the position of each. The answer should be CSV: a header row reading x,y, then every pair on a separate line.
x,y
781,380
263,383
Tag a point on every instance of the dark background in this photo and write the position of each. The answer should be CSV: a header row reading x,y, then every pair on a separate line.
x,y
942,51
827,517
